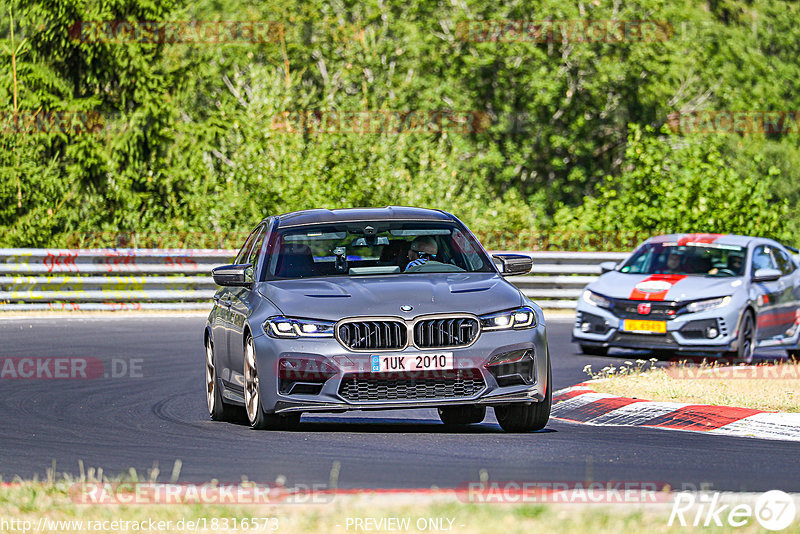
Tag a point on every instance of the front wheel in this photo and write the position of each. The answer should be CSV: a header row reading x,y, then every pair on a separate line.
x,y
527,417
745,341
258,419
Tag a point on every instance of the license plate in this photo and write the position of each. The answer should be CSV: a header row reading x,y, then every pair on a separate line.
x,y
647,327
411,362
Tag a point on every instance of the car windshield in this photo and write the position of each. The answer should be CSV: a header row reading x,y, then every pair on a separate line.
x,y
375,248
690,259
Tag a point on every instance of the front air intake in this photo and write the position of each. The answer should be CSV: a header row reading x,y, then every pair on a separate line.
x,y
373,335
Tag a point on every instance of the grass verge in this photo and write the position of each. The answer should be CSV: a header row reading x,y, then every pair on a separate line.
x,y
51,507
770,387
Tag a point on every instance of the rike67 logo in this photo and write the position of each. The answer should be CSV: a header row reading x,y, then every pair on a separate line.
x,y
774,510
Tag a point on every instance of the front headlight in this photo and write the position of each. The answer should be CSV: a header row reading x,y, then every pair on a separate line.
x,y
519,318
291,327
596,300
708,304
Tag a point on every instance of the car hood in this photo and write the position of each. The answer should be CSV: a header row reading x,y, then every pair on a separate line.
x,y
337,297
663,286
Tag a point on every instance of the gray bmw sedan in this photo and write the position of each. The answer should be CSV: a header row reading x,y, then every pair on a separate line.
x,y
368,309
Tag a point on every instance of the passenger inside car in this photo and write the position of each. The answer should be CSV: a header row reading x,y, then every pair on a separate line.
x,y
295,261
395,253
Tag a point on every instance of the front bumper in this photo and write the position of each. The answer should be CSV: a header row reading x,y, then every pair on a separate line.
x,y
684,333
470,361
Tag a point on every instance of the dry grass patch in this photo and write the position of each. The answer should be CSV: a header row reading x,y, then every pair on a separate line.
x,y
771,387
44,504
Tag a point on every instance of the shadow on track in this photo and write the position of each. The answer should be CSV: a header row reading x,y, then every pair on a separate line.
x,y
397,426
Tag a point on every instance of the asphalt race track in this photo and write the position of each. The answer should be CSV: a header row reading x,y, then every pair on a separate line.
x,y
150,409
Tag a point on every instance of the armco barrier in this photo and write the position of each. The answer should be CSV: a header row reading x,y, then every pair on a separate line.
x,y
155,279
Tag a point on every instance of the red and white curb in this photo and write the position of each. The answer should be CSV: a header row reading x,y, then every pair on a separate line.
x,y
580,404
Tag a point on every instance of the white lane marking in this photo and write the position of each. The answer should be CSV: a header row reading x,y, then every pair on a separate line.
x,y
577,402
572,388
785,426
775,426
637,413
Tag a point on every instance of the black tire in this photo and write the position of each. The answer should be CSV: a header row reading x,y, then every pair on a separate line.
x,y
527,417
256,416
594,350
746,345
218,409
462,415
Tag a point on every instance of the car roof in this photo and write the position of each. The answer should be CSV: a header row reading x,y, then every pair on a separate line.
x,y
716,239
348,215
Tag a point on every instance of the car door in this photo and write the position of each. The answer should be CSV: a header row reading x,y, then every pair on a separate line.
x,y
768,295
224,323
241,304
788,284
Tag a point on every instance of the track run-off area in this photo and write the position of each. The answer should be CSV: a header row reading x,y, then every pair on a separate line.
x,y
142,404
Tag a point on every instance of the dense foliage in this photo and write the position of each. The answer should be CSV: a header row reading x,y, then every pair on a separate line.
x,y
114,138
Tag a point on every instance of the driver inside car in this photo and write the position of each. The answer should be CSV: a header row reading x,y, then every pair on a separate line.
x,y
733,266
423,249
735,262
673,263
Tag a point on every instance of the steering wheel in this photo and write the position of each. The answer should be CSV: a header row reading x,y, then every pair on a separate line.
x,y
726,271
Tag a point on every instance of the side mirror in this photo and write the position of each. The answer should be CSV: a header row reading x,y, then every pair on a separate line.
x,y
514,264
233,275
767,275
608,266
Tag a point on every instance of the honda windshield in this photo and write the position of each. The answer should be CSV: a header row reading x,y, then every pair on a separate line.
x,y
700,259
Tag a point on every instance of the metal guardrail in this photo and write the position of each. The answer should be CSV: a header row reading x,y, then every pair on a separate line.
x,y
156,279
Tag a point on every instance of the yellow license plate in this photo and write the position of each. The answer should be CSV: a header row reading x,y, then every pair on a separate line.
x,y
648,327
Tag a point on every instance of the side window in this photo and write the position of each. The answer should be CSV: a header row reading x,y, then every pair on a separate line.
x,y
762,259
255,253
785,263
245,250
464,252
641,261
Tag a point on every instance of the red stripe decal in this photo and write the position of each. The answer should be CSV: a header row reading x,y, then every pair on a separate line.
x,y
671,279
775,318
698,238
701,418
595,409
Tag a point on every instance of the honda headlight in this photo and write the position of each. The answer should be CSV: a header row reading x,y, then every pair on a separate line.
x,y
290,327
708,304
519,318
596,300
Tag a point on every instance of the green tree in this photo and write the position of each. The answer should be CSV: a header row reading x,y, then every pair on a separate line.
x,y
671,184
